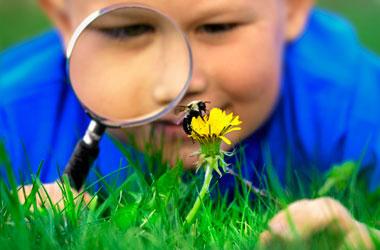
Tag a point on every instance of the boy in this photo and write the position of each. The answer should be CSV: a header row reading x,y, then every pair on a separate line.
x,y
296,76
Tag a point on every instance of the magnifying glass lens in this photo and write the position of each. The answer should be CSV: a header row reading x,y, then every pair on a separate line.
x,y
129,65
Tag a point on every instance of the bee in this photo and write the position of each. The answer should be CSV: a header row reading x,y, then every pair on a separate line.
x,y
193,109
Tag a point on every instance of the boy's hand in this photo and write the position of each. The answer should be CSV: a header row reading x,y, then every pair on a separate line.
x,y
54,192
324,221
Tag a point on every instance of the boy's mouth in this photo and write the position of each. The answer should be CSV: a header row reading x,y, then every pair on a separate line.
x,y
170,128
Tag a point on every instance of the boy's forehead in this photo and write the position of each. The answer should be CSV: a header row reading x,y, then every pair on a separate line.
x,y
197,5
175,8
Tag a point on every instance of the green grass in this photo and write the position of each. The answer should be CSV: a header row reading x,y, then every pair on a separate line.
x,y
20,20
365,16
148,210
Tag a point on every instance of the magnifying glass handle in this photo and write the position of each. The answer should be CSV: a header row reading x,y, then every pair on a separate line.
x,y
85,153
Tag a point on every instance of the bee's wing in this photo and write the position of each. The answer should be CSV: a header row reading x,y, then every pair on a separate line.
x,y
180,120
179,109
207,102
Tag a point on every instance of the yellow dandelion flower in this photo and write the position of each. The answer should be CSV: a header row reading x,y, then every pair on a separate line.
x,y
214,127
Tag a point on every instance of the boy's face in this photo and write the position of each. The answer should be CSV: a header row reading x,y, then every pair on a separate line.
x,y
237,48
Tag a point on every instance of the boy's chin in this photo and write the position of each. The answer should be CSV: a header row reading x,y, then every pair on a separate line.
x,y
186,152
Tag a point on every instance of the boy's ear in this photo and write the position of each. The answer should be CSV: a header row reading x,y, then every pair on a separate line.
x,y
57,12
297,15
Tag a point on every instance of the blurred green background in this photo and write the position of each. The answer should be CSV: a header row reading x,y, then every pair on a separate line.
x,y
20,19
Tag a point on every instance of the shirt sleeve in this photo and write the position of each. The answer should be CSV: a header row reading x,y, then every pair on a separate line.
x,y
4,146
375,177
11,148
363,136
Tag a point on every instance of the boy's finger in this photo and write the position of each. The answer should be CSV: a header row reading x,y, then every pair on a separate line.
x,y
306,218
50,192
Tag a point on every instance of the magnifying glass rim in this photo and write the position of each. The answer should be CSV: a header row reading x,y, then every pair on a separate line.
x,y
127,122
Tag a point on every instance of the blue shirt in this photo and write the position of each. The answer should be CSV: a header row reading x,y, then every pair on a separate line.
x,y
328,110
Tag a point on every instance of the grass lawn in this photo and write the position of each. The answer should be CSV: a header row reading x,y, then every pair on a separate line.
x,y
148,211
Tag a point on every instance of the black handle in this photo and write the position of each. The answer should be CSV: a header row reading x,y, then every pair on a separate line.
x,y
84,155
80,163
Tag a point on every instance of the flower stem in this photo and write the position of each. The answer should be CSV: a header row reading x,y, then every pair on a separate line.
x,y
206,184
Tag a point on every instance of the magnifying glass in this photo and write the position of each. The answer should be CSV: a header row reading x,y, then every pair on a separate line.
x,y
128,65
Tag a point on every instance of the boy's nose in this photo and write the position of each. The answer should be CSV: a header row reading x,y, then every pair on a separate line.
x,y
166,93
198,83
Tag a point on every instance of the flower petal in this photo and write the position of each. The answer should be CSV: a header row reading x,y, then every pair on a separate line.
x,y
236,121
225,139
232,129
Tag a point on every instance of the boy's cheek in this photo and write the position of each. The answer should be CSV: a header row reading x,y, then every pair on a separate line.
x,y
254,97
252,82
252,91
250,67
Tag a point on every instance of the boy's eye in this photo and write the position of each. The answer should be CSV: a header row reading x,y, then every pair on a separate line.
x,y
216,28
126,32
